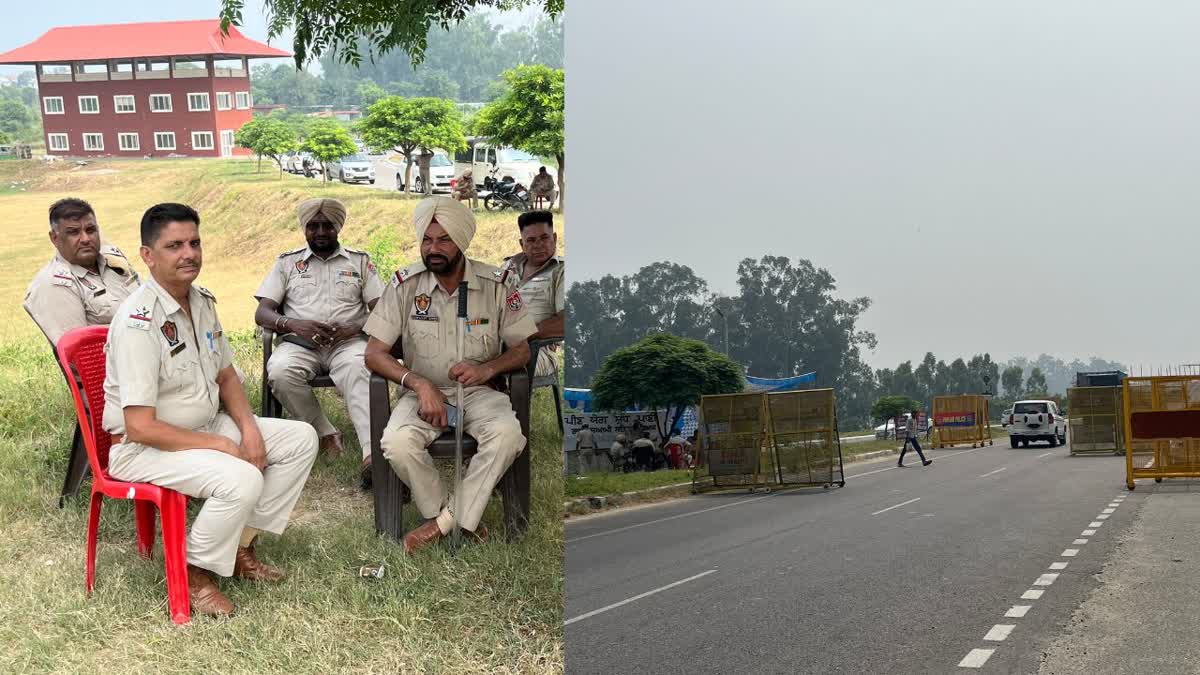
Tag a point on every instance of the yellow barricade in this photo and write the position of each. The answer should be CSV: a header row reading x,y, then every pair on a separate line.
x,y
759,440
961,419
1162,427
1096,420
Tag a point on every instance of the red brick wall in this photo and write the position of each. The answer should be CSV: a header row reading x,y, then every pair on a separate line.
x,y
142,121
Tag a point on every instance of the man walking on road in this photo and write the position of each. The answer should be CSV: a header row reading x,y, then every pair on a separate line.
x,y
910,428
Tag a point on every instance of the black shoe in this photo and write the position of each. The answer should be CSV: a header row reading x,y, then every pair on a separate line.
x,y
927,462
900,464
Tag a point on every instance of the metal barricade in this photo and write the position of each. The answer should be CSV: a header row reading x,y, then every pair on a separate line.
x,y
961,419
732,442
1095,420
803,438
1162,427
759,440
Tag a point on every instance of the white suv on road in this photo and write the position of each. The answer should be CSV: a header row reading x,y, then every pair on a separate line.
x,y
1032,421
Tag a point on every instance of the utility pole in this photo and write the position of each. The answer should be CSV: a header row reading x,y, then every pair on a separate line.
x,y
725,320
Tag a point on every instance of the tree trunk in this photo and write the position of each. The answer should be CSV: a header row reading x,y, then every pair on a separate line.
x,y
407,173
259,170
425,182
562,187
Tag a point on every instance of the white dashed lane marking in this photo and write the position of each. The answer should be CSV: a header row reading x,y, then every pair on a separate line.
x,y
1079,542
976,658
1032,594
1058,566
1046,580
1070,553
999,632
1017,611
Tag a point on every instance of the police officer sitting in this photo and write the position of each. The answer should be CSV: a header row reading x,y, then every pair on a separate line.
x,y
318,298
169,368
540,275
419,307
85,280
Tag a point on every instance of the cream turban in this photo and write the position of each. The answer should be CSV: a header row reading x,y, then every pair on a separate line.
x,y
456,219
334,210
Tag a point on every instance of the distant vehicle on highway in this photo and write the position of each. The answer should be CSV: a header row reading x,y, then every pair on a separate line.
x,y
353,169
1005,415
294,161
889,429
441,173
1036,420
485,160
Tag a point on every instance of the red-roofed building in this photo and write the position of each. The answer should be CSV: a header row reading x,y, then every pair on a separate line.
x,y
163,88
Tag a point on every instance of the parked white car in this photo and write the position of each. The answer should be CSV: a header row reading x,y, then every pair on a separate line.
x,y
485,160
441,174
353,169
1036,420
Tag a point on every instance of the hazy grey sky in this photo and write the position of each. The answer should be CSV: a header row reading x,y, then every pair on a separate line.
x,y
19,28
1026,171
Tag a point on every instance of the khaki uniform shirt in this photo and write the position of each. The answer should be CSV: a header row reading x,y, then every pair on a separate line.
x,y
542,184
160,358
335,289
584,440
418,311
63,296
544,292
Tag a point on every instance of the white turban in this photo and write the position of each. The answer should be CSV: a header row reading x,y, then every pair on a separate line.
x,y
333,209
456,219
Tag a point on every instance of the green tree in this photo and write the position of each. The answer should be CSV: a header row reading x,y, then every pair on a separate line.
x,y
1035,385
369,93
328,141
5,138
1013,380
888,408
247,136
15,116
274,139
437,84
411,124
666,373
384,25
529,116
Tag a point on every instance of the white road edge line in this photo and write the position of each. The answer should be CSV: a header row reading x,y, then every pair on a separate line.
x,y
999,632
615,605
993,473
896,506
1032,594
976,658
1017,611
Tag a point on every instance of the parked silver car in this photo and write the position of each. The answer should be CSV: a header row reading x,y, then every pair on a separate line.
x,y
353,169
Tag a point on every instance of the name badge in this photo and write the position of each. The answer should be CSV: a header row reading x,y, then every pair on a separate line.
x,y
179,348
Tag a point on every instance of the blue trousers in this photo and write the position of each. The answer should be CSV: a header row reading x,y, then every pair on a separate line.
x,y
916,446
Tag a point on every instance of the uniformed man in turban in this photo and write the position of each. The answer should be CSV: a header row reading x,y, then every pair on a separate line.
x,y
85,280
418,308
317,299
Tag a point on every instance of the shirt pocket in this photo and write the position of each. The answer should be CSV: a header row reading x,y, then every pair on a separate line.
x,y
348,290
426,338
179,374
299,287
99,308
478,346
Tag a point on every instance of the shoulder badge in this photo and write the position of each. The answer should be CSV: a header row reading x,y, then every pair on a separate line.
x,y
514,301
291,252
407,273
60,275
141,316
206,293
347,249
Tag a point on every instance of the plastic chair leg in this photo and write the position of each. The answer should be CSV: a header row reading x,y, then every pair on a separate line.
x,y
174,527
92,534
144,514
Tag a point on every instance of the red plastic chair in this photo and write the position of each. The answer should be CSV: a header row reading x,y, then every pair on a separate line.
x,y
82,350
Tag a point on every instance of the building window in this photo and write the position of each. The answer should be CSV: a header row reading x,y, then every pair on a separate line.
x,y
243,100
164,140
89,105
198,102
129,141
202,140
53,105
58,142
224,100
160,103
124,104
93,142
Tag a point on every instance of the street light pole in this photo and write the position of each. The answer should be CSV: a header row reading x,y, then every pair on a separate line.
x,y
725,320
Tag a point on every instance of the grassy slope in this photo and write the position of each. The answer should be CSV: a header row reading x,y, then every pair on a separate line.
x,y
495,608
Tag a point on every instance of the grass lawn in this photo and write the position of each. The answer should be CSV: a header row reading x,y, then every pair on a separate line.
x,y
495,608
600,483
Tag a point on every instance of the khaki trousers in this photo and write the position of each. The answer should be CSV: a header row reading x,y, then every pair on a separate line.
x,y
488,417
237,495
292,366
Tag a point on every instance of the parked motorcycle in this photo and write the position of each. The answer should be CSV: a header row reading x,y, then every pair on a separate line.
x,y
505,193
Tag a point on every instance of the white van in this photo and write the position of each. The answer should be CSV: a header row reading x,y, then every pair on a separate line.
x,y
485,160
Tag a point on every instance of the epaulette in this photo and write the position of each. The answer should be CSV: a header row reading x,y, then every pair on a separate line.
x,y
292,252
60,275
354,250
140,314
206,293
485,270
109,249
116,260
407,273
